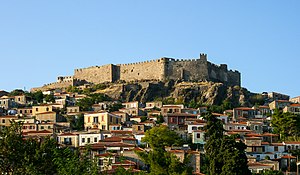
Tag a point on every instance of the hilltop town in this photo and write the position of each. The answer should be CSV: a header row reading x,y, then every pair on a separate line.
x,y
80,113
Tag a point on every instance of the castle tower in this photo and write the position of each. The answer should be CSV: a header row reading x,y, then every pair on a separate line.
x,y
203,57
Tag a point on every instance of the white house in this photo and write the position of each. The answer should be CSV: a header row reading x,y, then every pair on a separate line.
x,y
89,138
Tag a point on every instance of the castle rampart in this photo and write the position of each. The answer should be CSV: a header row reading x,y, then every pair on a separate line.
x,y
160,69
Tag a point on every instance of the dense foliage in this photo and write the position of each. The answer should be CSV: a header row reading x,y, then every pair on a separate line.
x,y
39,156
76,122
286,124
225,155
161,161
86,103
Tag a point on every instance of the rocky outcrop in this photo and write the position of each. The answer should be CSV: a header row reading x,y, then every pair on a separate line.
x,y
209,93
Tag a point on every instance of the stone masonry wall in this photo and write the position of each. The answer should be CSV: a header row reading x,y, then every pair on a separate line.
x,y
221,74
188,70
149,70
160,69
55,85
95,74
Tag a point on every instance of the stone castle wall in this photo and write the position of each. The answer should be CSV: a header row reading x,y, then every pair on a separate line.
x,y
55,85
148,70
188,70
161,69
95,74
220,73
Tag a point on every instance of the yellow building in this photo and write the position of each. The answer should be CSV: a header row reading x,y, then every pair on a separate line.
x,y
6,120
47,117
100,120
41,109
68,139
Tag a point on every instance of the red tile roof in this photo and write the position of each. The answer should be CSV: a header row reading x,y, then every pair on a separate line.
x,y
269,134
292,142
288,157
67,134
243,108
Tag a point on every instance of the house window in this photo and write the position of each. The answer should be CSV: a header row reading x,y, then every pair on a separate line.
x,y
100,162
42,127
82,140
88,140
173,119
67,141
102,118
21,111
181,120
256,127
275,148
194,128
3,120
95,139
49,127
103,127
198,135
47,109
95,120
30,111
110,119
89,120
36,109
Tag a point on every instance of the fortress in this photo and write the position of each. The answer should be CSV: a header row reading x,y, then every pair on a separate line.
x,y
162,69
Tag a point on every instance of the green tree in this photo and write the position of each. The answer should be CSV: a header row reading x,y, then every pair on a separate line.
x,y
40,156
115,107
160,119
86,103
159,160
286,124
270,172
144,118
12,149
73,89
233,155
16,92
224,154
49,98
77,122
214,133
71,162
37,96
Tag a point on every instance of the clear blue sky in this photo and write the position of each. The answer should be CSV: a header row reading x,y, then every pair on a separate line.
x,y
40,40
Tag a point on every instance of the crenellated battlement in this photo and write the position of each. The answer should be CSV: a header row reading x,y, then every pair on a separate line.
x,y
157,69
